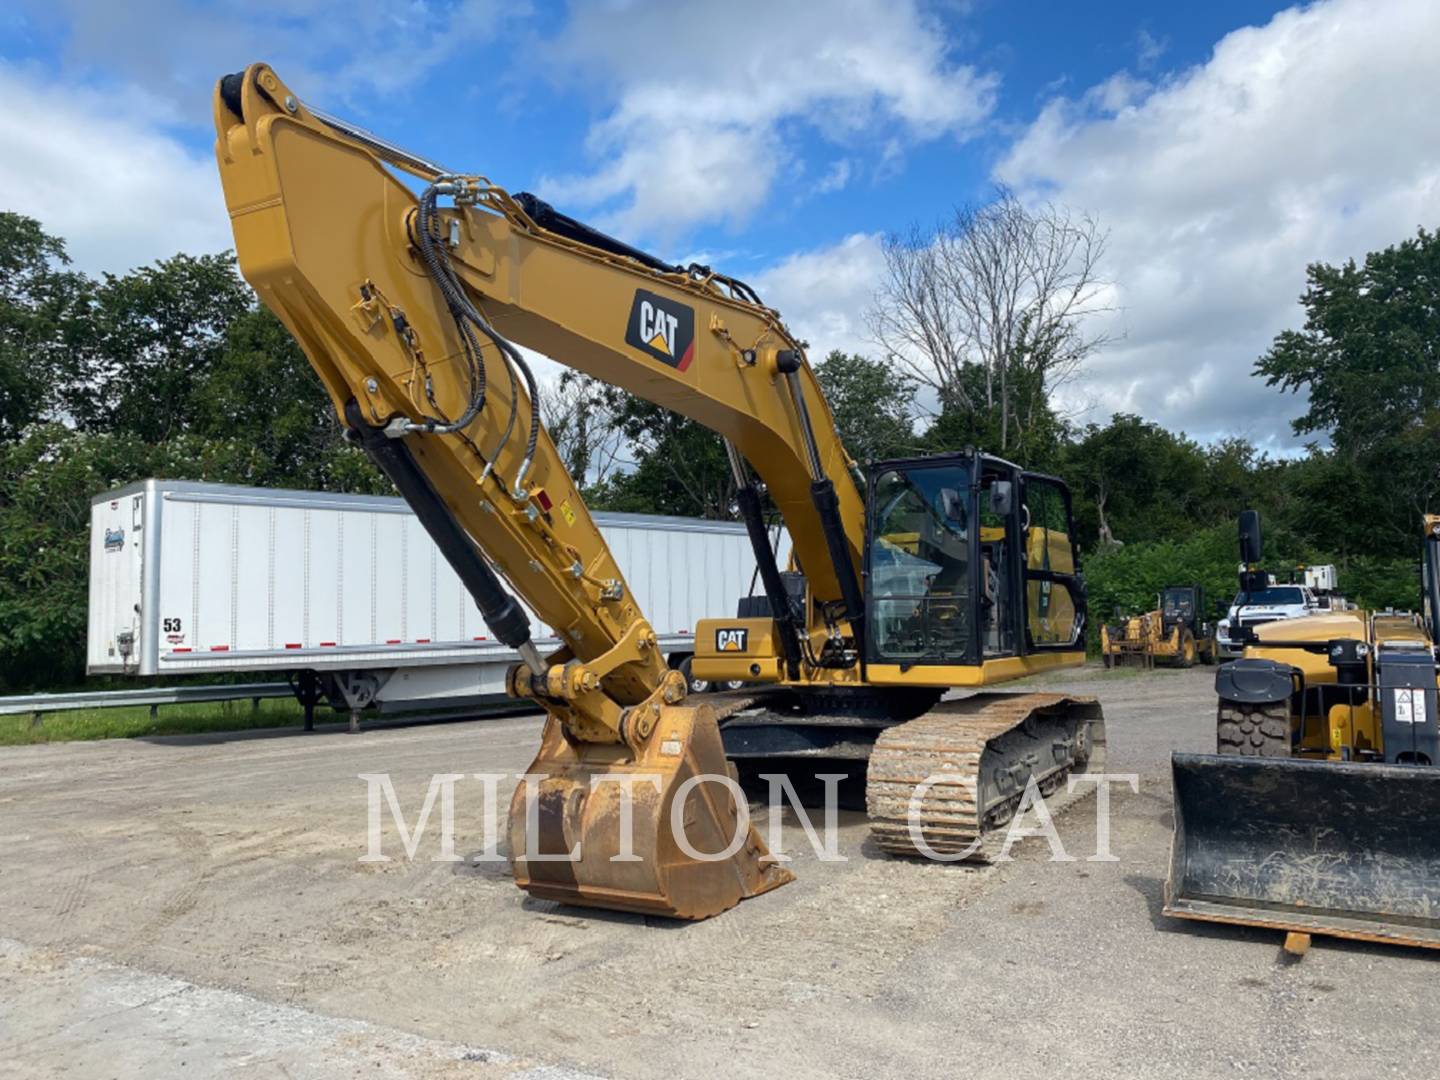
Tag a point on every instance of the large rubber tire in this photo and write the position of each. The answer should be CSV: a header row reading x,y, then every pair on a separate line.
x,y
1185,658
696,686
1253,730
1109,661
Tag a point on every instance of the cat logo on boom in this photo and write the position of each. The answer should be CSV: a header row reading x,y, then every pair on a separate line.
x,y
661,328
732,639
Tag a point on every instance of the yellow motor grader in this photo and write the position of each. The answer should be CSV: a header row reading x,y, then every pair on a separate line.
x,y
1174,633
1320,810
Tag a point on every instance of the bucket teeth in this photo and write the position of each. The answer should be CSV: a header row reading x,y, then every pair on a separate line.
x,y
661,831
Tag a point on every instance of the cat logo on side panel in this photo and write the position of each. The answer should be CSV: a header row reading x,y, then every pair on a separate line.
x,y
732,639
661,328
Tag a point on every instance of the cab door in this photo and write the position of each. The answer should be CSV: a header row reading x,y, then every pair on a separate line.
x,y
1054,591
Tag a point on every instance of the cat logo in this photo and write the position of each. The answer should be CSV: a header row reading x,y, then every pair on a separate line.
x,y
731,640
662,329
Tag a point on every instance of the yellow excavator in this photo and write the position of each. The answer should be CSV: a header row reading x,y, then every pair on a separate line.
x,y
412,299
1317,814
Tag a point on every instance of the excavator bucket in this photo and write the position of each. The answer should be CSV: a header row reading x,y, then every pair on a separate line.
x,y
1317,847
603,826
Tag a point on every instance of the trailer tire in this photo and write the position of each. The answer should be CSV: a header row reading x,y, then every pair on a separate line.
x,y
692,684
1253,730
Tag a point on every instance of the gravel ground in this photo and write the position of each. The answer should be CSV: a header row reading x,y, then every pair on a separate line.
x,y
196,905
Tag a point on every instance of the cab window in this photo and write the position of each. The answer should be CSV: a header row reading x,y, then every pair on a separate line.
x,y
1050,566
920,609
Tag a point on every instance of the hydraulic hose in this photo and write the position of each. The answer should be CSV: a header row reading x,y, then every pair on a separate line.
x,y
502,612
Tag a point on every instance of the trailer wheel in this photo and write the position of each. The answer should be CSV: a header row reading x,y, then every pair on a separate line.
x,y
1253,730
696,686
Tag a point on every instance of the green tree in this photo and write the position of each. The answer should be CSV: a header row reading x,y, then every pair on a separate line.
x,y
260,392
40,302
1036,444
679,468
153,336
873,405
1133,480
1368,361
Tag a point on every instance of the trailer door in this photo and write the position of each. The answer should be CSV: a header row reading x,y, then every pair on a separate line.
x,y
116,583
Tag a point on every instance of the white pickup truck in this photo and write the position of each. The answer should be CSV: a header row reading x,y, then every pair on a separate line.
x,y
1270,604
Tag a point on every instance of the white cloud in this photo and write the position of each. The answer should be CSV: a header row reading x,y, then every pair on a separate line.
x,y
1149,48
710,100
835,178
823,294
1314,137
102,177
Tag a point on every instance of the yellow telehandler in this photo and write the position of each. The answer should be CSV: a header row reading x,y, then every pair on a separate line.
x,y
1320,810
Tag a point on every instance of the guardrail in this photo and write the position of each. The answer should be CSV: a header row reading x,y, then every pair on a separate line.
x,y
36,705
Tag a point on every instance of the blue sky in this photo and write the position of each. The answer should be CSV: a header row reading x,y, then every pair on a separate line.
x,y
1223,145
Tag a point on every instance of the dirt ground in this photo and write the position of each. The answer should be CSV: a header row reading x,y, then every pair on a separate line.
x,y
196,905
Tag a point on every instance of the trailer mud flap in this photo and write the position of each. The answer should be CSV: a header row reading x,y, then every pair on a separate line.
x,y
659,831
1320,847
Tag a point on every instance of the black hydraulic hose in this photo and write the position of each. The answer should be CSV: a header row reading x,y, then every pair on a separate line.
x,y
503,614
827,507
781,607
464,311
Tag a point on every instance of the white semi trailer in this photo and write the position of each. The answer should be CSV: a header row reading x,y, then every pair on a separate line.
x,y
346,594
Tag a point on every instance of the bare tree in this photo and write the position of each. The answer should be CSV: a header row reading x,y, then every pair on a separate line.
x,y
992,309
578,413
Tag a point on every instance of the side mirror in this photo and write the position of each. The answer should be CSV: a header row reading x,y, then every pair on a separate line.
x,y
1002,498
1253,581
1250,536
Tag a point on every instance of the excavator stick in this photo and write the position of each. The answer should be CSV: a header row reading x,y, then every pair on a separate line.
x,y
600,825
1313,847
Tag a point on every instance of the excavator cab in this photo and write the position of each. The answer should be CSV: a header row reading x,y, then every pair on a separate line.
x,y
968,560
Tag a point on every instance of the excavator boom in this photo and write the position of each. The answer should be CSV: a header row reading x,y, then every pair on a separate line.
x,y
412,309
